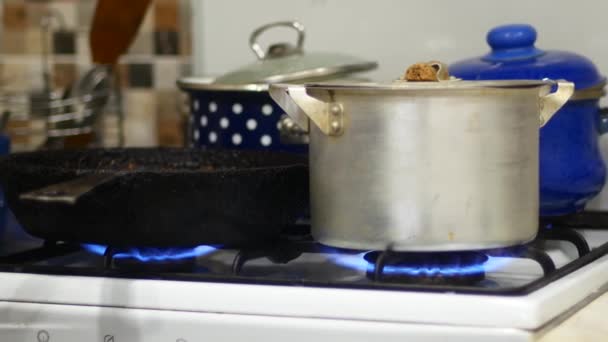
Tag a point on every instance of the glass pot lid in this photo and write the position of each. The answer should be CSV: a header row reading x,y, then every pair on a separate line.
x,y
285,62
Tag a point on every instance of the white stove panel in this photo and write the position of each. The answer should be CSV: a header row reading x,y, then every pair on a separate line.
x,y
523,312
49,308
66,323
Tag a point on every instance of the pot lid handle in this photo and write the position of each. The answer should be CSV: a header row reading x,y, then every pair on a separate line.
x,y
279,49
512,42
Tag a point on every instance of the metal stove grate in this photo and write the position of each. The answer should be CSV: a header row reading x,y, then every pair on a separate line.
x,y
291,248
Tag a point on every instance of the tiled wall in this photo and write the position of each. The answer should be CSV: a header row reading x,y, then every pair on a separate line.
x,y
147,74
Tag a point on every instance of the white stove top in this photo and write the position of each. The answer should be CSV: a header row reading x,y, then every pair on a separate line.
x,y
46,307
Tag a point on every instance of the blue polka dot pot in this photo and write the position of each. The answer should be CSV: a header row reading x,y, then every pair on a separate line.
x,y
235,110
240,119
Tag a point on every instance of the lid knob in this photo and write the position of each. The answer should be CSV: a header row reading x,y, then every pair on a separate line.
x,y
511,36
280,49
512,42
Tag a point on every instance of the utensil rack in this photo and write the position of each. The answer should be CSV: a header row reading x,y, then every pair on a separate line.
x,y
63,114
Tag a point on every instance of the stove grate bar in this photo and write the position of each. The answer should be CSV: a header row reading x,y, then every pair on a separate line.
x,y
283,252
108,257
379,265
561,234
526,252
541,257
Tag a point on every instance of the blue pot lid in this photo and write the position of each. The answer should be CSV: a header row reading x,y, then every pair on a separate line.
x,y
514,56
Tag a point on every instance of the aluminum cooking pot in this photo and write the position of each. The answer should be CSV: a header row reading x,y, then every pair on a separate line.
x,y
235,111
571,168
423,166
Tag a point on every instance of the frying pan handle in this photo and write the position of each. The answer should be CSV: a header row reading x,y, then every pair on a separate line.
x,y
67,192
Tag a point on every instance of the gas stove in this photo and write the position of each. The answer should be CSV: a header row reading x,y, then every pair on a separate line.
x,y
297,289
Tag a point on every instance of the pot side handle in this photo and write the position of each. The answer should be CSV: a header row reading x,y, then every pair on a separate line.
x,y
291,99
301,107
551,103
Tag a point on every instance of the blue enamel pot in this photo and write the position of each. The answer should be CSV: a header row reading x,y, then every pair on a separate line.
x,y
245,118
571,168
235,110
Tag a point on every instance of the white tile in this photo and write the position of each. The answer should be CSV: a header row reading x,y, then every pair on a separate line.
x,y
166,72
68,12
83,51
140,118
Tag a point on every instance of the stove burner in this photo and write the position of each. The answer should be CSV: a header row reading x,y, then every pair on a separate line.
x,y
151,259
427,267
152,254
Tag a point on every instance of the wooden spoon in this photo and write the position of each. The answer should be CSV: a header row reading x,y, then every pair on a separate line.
x,y
115,25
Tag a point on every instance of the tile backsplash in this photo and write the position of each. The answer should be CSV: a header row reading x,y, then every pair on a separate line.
x,y
147,73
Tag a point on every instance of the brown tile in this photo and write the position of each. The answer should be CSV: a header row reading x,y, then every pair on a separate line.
x,y
35,11
122,75
13,42
64,75
14,16
167,104
15,126
14,77
166,15
170,132
33,41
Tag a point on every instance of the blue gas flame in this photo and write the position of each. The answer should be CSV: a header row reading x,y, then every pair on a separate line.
x,y
358,263
147,254
95,249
